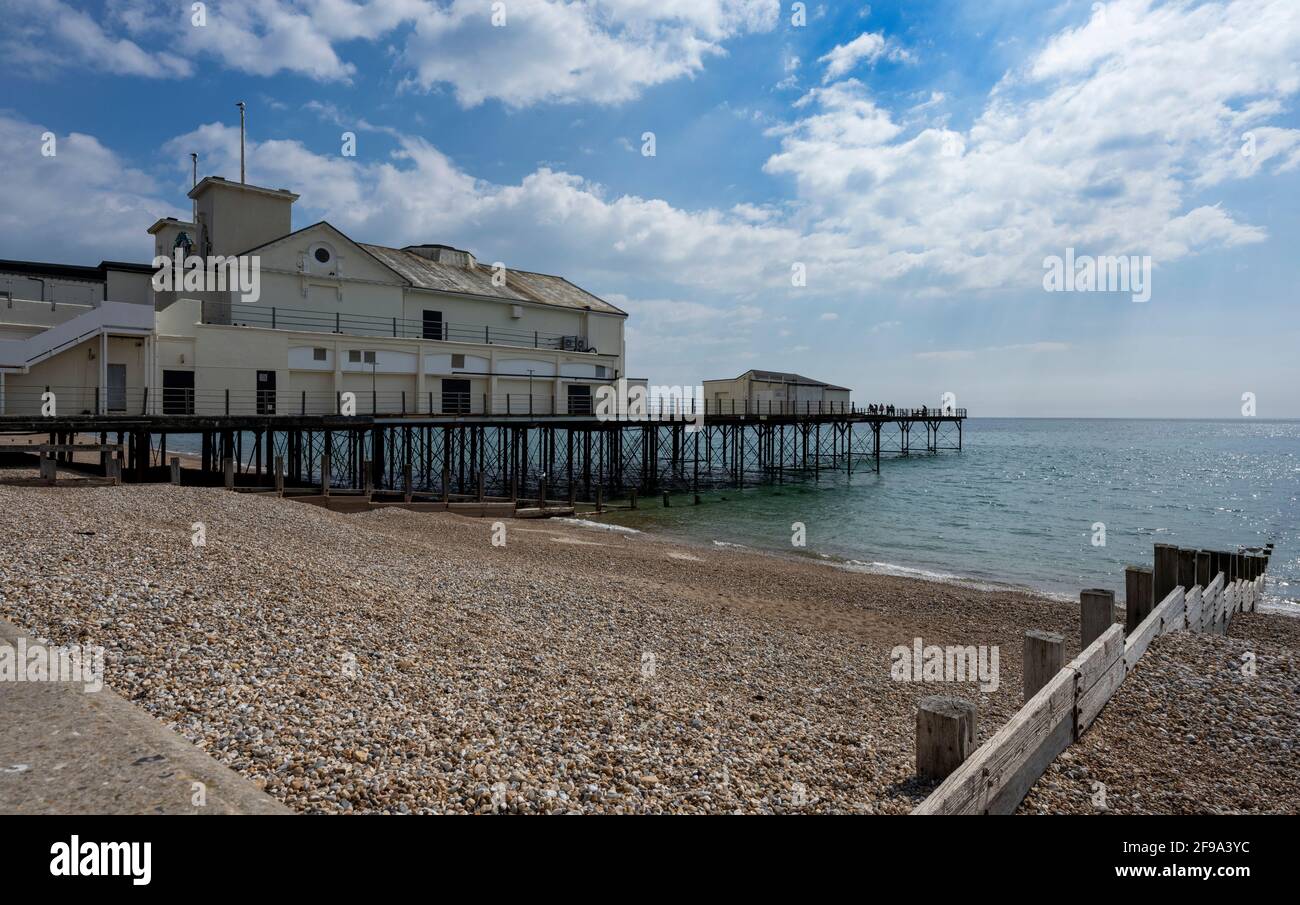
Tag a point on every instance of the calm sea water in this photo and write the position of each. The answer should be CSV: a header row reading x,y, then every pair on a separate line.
x,y
1018,504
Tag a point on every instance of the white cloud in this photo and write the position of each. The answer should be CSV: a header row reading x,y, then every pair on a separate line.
x,y
829,316
868,46
81,206
967,354
44,35
562,52
605,51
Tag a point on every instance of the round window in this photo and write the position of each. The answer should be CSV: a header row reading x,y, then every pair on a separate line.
x,y
323,255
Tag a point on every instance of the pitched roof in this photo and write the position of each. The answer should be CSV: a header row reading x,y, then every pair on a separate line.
x,y
788,377
476,279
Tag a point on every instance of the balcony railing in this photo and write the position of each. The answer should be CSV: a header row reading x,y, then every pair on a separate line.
x,y
72,400
307,321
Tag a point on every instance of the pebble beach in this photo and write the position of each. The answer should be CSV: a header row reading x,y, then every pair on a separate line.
x,y
400,662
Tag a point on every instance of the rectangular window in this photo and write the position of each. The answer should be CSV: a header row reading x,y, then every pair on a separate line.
x,y
370,357
457,361
317,354
354,355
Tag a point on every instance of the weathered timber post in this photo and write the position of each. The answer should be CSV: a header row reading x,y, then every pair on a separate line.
x,y
407,481
1137,597
279,475
367,478
1096,614
325,474
49,468
632,498
1044,658
945,735
1165,574
1187,569
176,470
600,498
229,465
480,486
1203,574
666,503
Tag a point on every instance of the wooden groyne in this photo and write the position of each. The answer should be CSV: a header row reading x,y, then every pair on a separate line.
x,y
1187,590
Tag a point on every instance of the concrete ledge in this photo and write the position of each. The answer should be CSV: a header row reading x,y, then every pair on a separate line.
x,y
64,750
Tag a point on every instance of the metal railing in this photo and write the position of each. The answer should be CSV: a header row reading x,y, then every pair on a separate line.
x,y
307,321
31,401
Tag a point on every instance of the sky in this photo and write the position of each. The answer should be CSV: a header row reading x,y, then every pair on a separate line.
x,y
870,195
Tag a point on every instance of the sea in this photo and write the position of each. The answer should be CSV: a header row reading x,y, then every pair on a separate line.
x,y
1052,505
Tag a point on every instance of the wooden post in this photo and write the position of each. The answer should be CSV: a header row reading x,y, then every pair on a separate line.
x,y
325,474
1187,569
1096,614
1137,597
176,470
480,486
49,468
229,465
632,498
367,478
1165,574
279,475
666,499
1044,658
406,482
945,735
1203,574
600,498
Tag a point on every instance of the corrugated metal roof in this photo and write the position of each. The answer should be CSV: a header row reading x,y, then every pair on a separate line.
x,y
520,285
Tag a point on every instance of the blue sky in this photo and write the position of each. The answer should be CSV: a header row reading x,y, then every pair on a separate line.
x,y
918,159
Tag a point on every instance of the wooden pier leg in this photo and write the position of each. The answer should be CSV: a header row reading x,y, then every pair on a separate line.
x,y
279,475
229,466
945,735
407,481
325,474
480,487
176,470
1138,601
1044,658
632,498
367,478
600,498
666,503
1096,614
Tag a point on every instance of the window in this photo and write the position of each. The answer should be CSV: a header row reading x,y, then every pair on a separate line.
x,y
455,397
370,358
457,361
322,254
354,355
178,392
601,371
318,355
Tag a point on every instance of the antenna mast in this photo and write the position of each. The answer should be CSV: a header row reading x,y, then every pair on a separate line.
x,y
242,108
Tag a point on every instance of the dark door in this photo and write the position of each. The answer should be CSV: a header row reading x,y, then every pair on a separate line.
x,y
116,388
266,392
579,399
178,392
433,325
455,397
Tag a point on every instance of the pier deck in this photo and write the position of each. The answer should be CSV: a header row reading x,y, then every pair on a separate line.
x,y
510,456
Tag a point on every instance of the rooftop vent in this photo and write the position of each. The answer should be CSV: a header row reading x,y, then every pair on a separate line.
x,y
443,254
